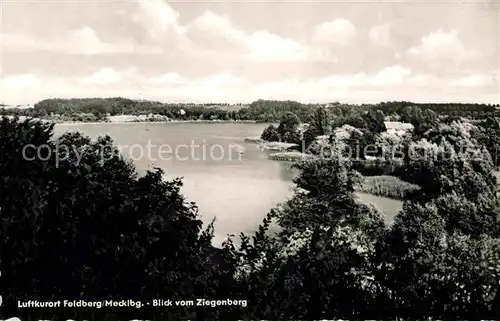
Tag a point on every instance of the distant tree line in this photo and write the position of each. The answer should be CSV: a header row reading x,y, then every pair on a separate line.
x,y
270,111
99,108
466,110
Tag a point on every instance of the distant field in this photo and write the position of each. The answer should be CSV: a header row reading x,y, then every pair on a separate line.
x,y
229,108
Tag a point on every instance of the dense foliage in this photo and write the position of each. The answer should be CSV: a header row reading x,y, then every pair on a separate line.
x,y
318,266
441,256
93,230
270,134
439,259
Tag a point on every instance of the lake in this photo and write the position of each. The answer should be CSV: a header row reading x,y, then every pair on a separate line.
x,y
230,180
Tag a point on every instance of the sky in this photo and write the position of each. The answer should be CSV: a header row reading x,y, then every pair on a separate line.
x,y
235,51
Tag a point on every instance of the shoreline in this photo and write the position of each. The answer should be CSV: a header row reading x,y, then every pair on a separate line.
x,y
66,123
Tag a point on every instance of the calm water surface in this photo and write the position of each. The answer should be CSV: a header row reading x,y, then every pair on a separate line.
x,y
237,189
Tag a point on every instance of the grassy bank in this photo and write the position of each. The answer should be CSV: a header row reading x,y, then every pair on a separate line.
x,y
387,186
289,156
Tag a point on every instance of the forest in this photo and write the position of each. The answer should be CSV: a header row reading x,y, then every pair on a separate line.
x,y
89,231
260,111
370,132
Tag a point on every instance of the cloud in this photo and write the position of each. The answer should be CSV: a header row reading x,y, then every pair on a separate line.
x,y
222,79
344,80
339,31
83,41
393,75
442,44
223,86
292,88
380,35
260,46
85,48
389,76
329,87
158,17
216,25
107,76
171,78
229,87
21,82
424,80
475,81
16,88
264,46
86,41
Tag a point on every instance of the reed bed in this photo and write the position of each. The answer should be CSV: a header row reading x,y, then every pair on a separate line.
x,y
387,186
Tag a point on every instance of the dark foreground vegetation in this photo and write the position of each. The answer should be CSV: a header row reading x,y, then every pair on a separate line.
x,y
97,231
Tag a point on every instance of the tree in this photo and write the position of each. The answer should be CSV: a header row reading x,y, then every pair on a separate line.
x,y
356,121
293,137
430,270
90,229
288,123
492,122
270,134
318,121
487,134
374,121
407,114
448,159
425,122
309,138
323,248
438,259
